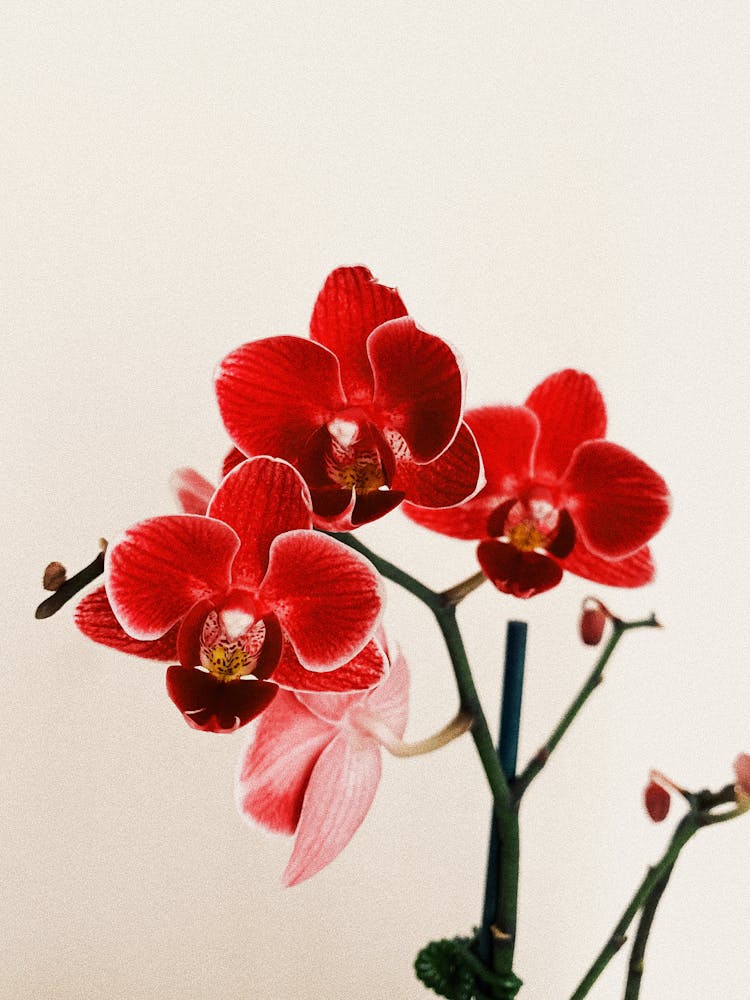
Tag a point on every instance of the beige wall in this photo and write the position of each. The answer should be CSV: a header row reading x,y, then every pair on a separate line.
x,y
549,184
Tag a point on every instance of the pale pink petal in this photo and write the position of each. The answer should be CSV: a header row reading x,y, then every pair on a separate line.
x,y
276,765
260,498
161,567
339,793
327,598
192,491
390,699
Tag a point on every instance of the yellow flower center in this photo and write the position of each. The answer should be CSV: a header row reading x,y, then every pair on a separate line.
x,y
527,537
226,662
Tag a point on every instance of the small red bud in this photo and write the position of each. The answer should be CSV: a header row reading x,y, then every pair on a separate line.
x,y
657,801
591,625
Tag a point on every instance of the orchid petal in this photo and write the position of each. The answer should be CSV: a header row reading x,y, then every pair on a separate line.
x,y
390,699
362,672
327,598
260,498
571,410
419,386
634,570
192,490
339,793
232,459
96,619
451,479
350,306
217,706
505,436
274,393
617,501
161,567
276,765
521,574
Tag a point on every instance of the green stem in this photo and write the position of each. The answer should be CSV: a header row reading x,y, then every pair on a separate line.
x,y
638,951
537,762
498,930
683,832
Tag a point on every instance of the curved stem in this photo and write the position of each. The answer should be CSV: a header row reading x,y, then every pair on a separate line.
x,y
375,726
638,951
683,832
537,762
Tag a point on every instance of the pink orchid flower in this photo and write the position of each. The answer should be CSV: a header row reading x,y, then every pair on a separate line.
x,y
369,410
250,591
313,766
558,496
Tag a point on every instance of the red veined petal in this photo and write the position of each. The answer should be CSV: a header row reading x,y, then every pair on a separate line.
x,y
274,393
448,480
617,501
192,491
276,765
467,520
360,673
260,498
571,410
162,566
505,436
96,619
215,706
350,306
634,570
419,386
339,793
231,460
521,574
327,598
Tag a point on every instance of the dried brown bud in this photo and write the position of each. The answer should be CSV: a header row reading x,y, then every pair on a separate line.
x,y
54,576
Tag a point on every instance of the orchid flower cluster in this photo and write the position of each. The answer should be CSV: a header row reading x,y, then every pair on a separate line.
x,y
265,605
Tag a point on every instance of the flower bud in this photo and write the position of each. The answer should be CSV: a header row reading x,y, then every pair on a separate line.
x,y
54,576
592,621
657,801
742,785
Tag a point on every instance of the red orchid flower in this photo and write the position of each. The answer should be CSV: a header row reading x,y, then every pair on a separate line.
x,y
252,592
369,410
314,764
558,497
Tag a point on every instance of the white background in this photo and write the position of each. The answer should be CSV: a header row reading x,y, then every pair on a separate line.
x,y
549,185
